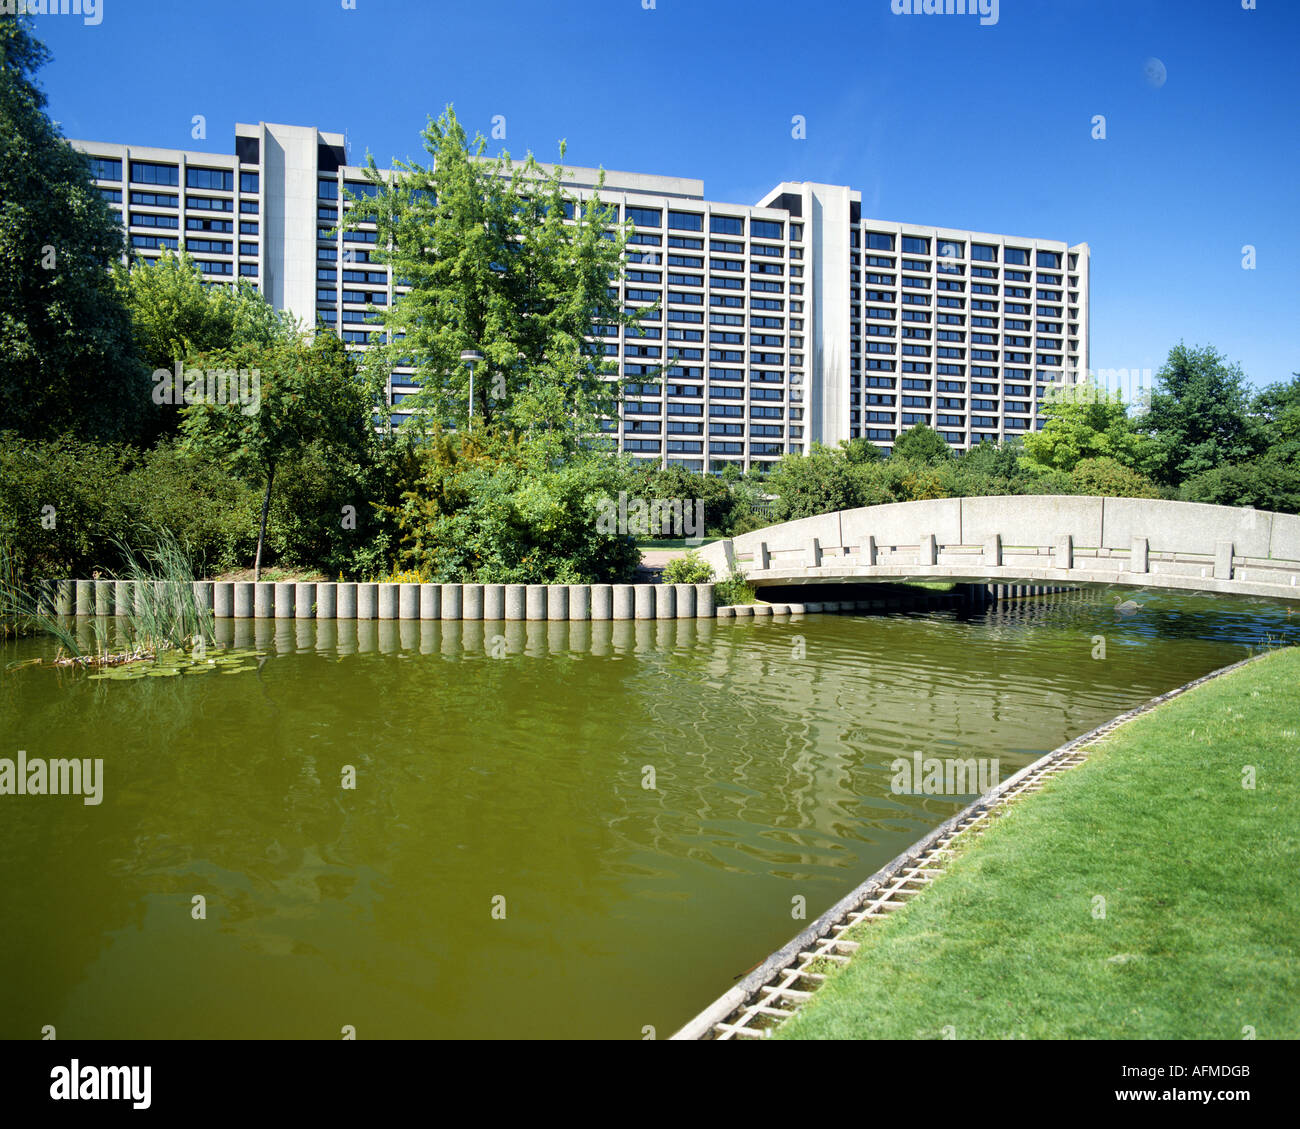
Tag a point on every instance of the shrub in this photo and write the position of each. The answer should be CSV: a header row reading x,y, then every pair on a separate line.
x,y
1106,476
688,570
485,509
735,589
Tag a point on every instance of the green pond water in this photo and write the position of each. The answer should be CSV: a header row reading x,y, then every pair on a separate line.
x,y
507,761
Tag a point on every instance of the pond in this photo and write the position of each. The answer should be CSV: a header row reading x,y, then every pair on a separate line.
x,y
556,830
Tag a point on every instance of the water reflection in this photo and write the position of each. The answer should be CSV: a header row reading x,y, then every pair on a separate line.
x,y
512,759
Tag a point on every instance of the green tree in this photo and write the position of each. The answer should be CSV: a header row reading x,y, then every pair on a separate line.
x,y
307,393
175,314
819,482
1105,477
860,450
1083,421
1267,483
1199,416
500,258
922,444
1277,410
67,362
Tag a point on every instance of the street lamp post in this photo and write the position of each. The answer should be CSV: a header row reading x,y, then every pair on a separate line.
x,y
471,357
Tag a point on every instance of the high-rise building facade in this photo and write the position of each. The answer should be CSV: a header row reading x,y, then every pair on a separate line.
x,y
792,321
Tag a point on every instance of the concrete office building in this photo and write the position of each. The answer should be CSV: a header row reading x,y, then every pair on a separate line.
x,y
792,321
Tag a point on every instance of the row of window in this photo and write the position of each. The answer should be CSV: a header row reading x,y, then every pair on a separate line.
x,y
948,249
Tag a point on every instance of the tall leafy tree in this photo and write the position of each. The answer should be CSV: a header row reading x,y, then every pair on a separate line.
x,y
1200,416
176,314
67,360
502,259
1277,410
306,393
922,444
1083,421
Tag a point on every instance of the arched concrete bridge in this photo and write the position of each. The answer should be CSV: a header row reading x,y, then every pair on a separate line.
x,y
1033,539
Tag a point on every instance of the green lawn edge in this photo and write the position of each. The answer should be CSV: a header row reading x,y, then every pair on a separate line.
x,y
1198,936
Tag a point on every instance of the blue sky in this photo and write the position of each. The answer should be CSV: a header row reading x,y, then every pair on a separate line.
x,y
936,119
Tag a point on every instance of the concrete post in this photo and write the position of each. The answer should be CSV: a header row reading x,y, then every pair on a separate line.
x,y
285,596
1139,558
389,600
327,600
928,553
557,602
1223,560
263,600
1064,551
367,603
452,601
685,600
705,607
815,554
408,601
579,602
304,601
993,551
471,601
85,597
644,601
871,552
729,555
347,597
602,601
516,601
624,605
243,600
64,597
665,602
762,557
494,601
535,602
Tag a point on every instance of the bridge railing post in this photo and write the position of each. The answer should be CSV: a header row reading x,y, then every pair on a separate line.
x,y
1139,558
1223,560
993,551
763,558
815,553
928,554
1065,551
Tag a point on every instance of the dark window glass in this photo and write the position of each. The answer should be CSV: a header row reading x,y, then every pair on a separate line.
x,y
144,172
685,221
645,217
727,225
248,181
766,229
218,179
105,168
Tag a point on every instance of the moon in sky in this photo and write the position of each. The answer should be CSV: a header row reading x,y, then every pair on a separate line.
x,y
1155,72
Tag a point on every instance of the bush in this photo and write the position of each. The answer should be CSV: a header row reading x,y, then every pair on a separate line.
x,y
485,510
688,570
1266,484
65,502
735,589
1112,479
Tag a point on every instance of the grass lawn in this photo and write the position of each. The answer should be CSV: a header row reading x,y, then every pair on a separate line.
x,y
673,543
1201,932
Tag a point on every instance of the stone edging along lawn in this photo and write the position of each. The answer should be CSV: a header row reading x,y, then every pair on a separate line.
x,y
1147,895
